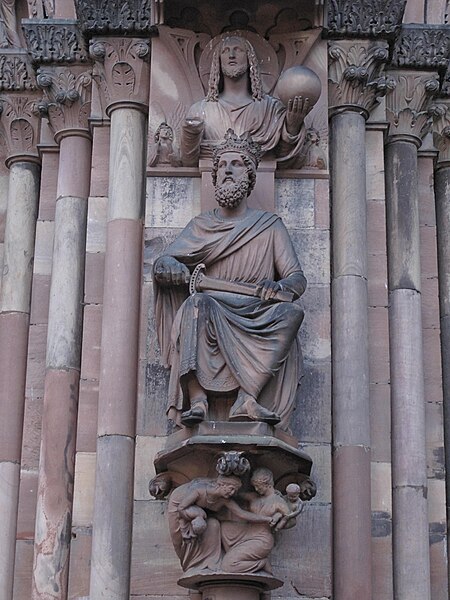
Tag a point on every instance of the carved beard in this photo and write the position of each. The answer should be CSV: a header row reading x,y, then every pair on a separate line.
x,y
234,72
231,194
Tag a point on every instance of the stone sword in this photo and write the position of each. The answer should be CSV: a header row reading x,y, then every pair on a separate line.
x,y
199,282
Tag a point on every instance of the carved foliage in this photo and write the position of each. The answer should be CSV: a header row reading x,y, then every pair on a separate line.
x,y
104,16
354,73
67,96
15,73
121,69
440,113
407,102
54,41
422,47
364,18
19,124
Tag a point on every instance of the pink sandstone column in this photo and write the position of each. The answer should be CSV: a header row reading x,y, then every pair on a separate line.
x,y
15,296
67,102
406,112
350,102
112,521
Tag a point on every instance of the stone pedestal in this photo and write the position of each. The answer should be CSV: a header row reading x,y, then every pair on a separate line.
x,y
231,586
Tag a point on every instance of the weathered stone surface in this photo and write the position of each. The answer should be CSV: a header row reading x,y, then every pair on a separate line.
x,y
322,204
83,496
65,309
311,421
427,213
302,557
100,162
92,333
43,248
430,304
27,504
428,252
381,498
380,421
93,278
374,143
377,280
112,517
80,556
22,569
382,581
438,561
74,149
155,567
9,477
435,440
313,248
96,224
294,202
432,367
321,473
151,411
315,331
379,345
171,201
40,297
32,428
376,231
144,471
34,386
87,416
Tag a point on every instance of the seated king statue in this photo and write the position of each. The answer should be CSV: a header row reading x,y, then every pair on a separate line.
x,y
233,330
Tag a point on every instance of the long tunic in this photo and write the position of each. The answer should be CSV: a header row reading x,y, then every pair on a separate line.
x,y
227,340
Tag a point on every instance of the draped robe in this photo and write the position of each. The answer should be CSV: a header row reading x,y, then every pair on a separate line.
x,y
227,340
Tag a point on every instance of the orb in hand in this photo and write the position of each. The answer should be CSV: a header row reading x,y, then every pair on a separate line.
x,y
298,81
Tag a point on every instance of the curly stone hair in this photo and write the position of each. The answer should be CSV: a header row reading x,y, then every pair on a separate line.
x,y
215,84
250,170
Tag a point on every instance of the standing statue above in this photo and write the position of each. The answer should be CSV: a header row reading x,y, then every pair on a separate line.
x,y
237,330
236,100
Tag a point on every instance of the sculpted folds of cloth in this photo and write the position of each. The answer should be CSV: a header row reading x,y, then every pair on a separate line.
x,y
236,100
221,342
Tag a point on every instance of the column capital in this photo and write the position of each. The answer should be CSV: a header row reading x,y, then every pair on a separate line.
x,y
67,99
366,18
128,17
19,124
54,41
122,71
16,73
354,74
440,112
407,103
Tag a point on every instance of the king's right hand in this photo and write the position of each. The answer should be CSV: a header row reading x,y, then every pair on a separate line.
x,y
169,271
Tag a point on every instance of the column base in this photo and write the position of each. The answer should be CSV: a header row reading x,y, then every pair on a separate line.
x,y
230,586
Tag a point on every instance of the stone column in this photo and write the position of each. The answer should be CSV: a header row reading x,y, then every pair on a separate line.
x,y
353,88
406,113
441,117
20,126
119,59
67,104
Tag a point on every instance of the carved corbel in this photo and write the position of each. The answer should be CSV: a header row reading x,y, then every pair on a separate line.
x,y
366,18
54,40
19,124
407,103
440,112
67,99
122,70
97,17
16,73
355,74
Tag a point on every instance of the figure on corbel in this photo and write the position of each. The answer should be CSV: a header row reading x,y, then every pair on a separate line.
x,y
235,330
9,37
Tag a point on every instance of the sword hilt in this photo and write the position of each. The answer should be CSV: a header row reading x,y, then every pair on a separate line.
x,y
196,275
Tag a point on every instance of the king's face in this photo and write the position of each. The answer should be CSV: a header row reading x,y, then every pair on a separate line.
x,y
230,169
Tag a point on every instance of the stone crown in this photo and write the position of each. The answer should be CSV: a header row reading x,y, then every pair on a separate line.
x,y
244,145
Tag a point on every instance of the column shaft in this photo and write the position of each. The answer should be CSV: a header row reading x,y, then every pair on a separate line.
x,y
409,475
14,319
442,191
112,524
351,427
59,418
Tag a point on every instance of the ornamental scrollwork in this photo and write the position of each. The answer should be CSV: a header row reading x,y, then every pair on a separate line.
x,y
366,18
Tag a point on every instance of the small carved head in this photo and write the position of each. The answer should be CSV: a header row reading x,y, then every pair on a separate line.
x,y
262,480
293,492
164,132
227,485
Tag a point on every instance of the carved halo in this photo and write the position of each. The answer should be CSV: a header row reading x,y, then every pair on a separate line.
x,y
268,61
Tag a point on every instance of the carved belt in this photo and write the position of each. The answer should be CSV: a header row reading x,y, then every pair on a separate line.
x,y
199,282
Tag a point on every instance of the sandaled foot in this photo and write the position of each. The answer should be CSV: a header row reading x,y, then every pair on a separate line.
x,y
246,408
196,414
